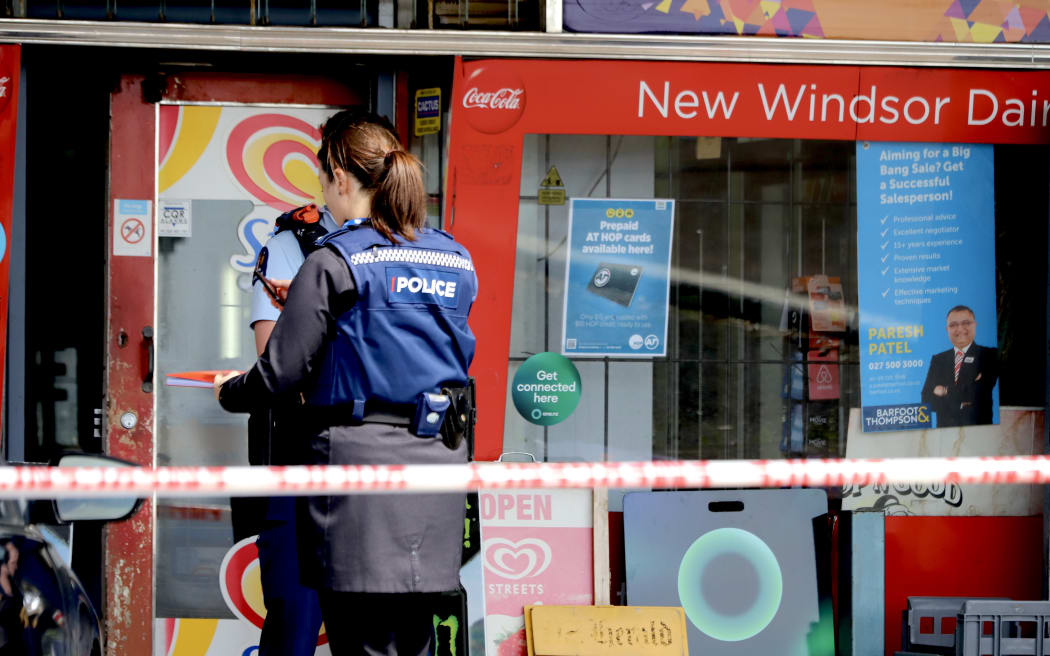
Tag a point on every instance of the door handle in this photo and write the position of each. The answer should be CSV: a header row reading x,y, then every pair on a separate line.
x,y
147,340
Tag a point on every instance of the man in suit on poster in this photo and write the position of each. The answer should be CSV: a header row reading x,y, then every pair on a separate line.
x,y
960,380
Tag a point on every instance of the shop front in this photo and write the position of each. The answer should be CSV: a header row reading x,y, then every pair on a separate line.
x,y
678,260
744,261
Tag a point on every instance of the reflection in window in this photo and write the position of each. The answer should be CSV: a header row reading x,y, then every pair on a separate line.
x,y
756,221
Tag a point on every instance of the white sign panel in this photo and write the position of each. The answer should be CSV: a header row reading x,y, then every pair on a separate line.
x,y
1019,433
536,548
175,219
132,227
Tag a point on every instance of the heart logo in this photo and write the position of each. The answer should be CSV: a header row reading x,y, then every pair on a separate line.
x,y
517,560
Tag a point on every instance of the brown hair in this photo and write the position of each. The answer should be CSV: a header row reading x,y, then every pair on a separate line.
x,y
366,146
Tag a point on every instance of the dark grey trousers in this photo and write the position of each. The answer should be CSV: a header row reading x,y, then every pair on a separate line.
x,y
379,624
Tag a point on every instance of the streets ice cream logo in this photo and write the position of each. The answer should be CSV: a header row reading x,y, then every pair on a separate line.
x,y
241,584
494,101
273,157
525,558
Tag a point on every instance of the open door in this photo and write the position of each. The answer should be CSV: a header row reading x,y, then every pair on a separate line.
x,y
200,166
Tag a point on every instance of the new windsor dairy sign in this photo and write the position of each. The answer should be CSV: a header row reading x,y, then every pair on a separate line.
x,y
811,103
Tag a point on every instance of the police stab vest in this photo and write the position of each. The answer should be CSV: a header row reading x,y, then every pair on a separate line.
x,y
407,333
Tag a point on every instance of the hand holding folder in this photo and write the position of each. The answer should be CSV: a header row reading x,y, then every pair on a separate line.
x,y
204,378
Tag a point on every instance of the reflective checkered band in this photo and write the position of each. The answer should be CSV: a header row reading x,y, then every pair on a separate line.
x,y
412,255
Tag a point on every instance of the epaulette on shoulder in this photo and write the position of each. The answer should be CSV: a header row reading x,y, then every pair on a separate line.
x,y
305,223
301,216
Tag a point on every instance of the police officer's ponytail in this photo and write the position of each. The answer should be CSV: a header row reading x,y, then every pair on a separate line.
x,y
365,145
399,198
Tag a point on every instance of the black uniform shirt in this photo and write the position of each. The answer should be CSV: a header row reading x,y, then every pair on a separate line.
x,y
321,292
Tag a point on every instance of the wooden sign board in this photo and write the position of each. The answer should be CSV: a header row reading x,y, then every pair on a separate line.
x,y
605,631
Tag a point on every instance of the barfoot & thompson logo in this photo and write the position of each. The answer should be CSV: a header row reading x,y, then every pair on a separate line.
x,y
494,100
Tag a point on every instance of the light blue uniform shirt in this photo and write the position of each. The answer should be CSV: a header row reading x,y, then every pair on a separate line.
x,y
283,262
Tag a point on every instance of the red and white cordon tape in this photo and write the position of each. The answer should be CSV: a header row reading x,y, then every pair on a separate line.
x,y
51,482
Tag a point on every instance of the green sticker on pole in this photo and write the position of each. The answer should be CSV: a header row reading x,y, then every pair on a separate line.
x,y
546,389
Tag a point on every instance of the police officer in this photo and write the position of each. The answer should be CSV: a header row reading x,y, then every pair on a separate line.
x,y
293,613
374,338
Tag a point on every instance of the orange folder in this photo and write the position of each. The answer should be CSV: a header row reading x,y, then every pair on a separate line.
x,y
203,378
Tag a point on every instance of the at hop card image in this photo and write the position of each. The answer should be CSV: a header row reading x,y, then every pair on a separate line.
x,y
615,282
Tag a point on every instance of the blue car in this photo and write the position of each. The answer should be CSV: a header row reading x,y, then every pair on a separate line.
x,y
44,610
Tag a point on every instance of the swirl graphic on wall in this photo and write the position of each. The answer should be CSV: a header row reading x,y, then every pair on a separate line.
x,y
188,636
274,158
184,133
240,581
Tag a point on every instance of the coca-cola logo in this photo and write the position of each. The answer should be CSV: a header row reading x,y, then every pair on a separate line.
x,y
494,99
505,98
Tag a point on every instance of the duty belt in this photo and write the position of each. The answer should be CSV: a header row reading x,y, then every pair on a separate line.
x,y
376,412
456,425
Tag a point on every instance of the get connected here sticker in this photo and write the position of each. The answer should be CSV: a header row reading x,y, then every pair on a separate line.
x,y
546,389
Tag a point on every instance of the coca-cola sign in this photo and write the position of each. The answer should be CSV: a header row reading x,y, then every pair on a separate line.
x,y
493,101
505,98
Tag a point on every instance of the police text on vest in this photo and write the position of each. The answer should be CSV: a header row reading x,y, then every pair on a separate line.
x,y
420,285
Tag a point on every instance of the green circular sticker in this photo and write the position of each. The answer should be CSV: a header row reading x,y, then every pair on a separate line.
x,y
546,389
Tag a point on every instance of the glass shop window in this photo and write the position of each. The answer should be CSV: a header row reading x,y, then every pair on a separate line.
x,y
756,222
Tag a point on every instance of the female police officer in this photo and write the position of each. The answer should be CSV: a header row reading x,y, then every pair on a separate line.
x,y
373,336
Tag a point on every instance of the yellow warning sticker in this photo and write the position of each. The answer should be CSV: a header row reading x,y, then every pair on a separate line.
x,y
552,189
428,111
551,196
553,179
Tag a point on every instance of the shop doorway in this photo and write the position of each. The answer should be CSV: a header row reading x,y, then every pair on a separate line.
x,y
200,167
54,369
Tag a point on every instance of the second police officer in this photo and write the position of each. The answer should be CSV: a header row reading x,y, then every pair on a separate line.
x,y
293,613
374,339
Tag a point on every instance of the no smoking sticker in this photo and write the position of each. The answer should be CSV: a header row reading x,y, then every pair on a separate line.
x,y
132,227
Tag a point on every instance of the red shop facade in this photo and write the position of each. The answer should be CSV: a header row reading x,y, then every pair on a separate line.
x,y
760,161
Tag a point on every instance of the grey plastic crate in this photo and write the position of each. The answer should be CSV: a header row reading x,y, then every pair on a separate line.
x,y
937,610
1003,628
